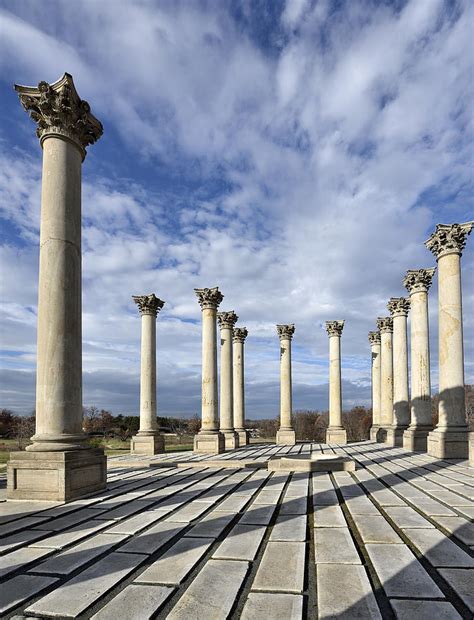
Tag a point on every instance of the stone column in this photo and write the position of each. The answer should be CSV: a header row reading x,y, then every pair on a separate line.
x,y
209,440
398,308
335,432
59,465
374,339
450,437
226,321
240,334
417,283
148,440
385,327
285,435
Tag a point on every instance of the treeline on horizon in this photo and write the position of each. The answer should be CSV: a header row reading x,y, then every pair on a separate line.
x,y
309,425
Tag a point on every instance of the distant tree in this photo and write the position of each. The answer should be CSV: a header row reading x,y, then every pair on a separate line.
x,y
23,430
194,425
7,419
357,423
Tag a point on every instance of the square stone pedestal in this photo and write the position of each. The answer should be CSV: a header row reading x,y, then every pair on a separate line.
x,y
231,440
336,435
244,438
209,443
416,439
286,437
394,436
147,445
373,432
449,444
56,476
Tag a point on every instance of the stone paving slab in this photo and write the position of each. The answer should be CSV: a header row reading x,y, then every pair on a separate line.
x,y
213,592
82,591
261,605
395,507
344,591
173,566
20,589
136,601
281,568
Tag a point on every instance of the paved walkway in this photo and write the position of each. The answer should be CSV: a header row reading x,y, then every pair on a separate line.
x,y
394,539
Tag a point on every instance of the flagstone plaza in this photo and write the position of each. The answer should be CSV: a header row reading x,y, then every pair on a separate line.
x,y
194,536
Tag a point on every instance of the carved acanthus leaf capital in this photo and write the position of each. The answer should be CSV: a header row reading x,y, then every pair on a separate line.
x,y
398,306
449,239
285,332
385,324
58,110
419,280
227,320
209,298
374,337
240,334
148,304
334,328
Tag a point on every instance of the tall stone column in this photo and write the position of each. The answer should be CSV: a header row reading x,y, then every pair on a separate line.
x,y
285,435
148,440
385,327
374,339
59,465
226,321
398,308
335,432
240,334
209,440
450,437
417,283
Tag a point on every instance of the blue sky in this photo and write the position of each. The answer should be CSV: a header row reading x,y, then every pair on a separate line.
x,y
296,154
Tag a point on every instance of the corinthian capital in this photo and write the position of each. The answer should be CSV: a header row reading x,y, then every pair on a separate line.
x,y
240,334
419,280
209,298
374,337
148,304
398,306
285,332
58,110
449,239
334,328
385,324
227,320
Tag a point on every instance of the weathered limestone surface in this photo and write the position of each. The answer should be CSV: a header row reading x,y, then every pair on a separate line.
x,y
335,432
374,339
209,440
135,602
417,283
450,439
344,592
286,434
240,334
148,440
59,465
226,321
385,326
398,308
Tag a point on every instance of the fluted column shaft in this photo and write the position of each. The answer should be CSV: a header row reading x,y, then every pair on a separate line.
x,y
148,422
286,434
374,339
240,333
335,432
417,283
450,438
398,307
386,372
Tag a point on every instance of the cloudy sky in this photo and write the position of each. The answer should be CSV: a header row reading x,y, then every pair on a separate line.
x,y
296,154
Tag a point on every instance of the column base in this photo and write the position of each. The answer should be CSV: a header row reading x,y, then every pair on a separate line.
x,y
336,435
286,437
449,443
471,449
147,445
416,439
394,437
231,440
56,476
373,433
209,443
244,438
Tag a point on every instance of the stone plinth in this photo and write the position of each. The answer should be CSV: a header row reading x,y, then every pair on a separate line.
x,y
323,462
147,444
244,438
336,435
209,443
286,437
56,476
